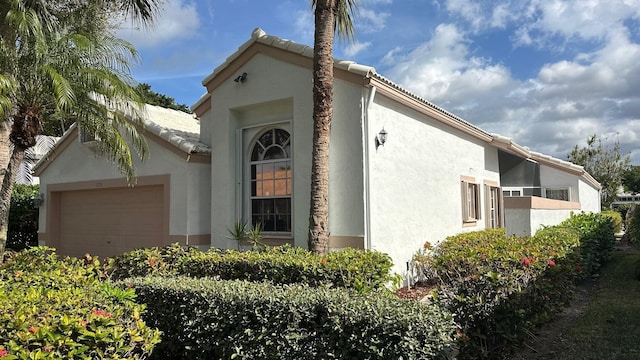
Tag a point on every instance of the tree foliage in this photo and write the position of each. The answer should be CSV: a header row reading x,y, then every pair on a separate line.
x,y
61,60
153,98
631,179
604,162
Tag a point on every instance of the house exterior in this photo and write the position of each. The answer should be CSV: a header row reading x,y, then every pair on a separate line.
x,y
435,175
89,207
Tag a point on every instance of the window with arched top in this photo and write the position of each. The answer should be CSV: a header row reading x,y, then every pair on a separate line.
x,y
271,184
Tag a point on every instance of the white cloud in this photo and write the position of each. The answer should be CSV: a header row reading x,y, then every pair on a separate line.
x,y
595,92
177,20
370,21
442,70
354,48
304,26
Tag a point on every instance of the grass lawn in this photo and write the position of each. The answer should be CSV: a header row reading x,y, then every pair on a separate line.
x,y
609,328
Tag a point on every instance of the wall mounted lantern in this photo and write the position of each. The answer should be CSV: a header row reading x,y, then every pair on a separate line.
x,y
241,78
381,138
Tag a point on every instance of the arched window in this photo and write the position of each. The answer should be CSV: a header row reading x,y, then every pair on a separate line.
x,y
271,184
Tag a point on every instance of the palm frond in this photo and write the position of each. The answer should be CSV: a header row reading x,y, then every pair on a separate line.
x,y
344,21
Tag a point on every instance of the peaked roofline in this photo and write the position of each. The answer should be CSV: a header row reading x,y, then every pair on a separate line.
x,y
192,151
368,77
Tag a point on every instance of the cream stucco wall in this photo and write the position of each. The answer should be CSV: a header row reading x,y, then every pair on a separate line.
x,y
590,200
414,179
279,94
189,200
525,222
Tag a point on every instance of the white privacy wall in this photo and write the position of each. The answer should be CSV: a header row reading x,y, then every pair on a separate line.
x,y
414,179
525,222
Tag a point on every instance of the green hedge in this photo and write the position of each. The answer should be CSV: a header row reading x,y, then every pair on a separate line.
x,y
59,309
633,224
207,319
597,238
348,268
23,217
148,261
501,288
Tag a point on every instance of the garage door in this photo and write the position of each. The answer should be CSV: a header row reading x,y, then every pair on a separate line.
x,y
107,222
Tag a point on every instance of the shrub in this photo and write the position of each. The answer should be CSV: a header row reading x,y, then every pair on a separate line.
x,y
498,287
348,268
206,319
23,217
596,239
616,220
148,261
60,309
633,224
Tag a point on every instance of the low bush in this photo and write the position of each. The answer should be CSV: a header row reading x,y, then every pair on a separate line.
x,y
498,287
616,220
59,309
347,268
597,237
207,319
148,261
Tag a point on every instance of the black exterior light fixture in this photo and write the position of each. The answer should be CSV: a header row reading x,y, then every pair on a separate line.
x,y
241,78
381,138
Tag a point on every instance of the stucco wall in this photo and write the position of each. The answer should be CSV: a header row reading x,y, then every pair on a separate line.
x,y
553,178
278,93
525,222
590,197
189,210
414,179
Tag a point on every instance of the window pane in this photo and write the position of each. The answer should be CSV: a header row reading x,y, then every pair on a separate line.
x,y
282,137
280,169
256,155
267,171
259,190
274,152
254,191
281,187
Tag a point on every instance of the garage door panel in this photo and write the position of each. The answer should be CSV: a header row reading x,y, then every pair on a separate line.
x,y
106,222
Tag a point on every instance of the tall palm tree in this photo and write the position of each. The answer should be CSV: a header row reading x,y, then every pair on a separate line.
x,y
329,16
59,59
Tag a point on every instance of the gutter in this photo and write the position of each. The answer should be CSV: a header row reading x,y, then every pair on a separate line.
x,y
365,161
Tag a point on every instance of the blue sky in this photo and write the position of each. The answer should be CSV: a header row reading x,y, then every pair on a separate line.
x,y
547,73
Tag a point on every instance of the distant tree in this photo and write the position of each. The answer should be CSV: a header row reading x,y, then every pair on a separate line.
x,y
604,163
153,98
631,179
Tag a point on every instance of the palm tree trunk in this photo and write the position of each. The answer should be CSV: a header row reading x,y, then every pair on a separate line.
x,y
5,195
325,22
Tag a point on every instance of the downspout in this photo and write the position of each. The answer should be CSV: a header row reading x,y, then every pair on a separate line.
x,y
366,144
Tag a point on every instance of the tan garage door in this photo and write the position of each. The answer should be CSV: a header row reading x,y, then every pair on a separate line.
x,y
107,222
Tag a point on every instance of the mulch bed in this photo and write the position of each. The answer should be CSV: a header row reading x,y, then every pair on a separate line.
x,y
416,292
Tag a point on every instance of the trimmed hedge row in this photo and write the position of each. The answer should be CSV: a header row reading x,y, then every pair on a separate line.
x,y
500,288
349,268
206,319
61,310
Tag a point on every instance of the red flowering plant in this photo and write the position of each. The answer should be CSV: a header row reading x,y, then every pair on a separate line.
x,y
492,281
423,263
61,309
